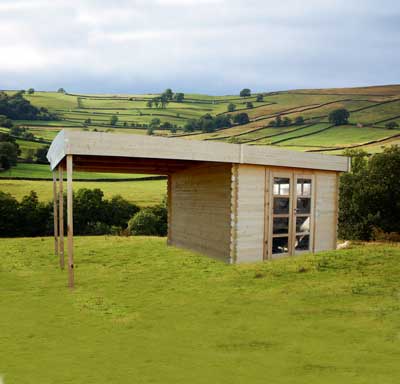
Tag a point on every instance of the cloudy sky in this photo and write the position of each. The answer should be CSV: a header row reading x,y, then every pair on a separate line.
x,y
207,46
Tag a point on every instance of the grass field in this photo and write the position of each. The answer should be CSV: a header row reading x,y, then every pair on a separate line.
x,y
372,107
42,171
146,313
143,193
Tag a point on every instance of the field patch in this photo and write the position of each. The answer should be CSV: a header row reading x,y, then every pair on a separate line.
x,y
165,315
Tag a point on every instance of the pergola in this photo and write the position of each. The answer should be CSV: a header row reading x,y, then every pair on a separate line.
x,y
227,186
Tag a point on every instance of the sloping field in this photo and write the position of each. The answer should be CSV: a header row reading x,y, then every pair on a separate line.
x,y
370,106
146,313
143,193
341,136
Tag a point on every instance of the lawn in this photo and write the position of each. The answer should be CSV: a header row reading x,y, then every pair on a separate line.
x,y
146,313
143,193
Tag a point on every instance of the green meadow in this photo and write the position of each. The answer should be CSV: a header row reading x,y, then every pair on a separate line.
x,y
143,312
143,193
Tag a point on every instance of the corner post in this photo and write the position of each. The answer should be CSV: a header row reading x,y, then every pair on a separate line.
x,y
61,215
70,223
55,213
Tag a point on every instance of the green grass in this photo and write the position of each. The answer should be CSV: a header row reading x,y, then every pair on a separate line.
x,y
145,313
42,171
143,193
132,109
342,135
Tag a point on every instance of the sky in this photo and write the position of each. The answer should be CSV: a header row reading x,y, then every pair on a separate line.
x,y
198,46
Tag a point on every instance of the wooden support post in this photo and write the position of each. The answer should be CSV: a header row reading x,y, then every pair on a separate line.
x,y
61,216
70,223
55,213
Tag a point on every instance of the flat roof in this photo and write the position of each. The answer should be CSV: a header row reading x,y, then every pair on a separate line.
x,y
122,146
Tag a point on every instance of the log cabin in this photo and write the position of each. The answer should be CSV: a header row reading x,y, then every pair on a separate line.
x,y
237,203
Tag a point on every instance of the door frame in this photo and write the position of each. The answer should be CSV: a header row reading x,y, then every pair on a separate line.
x,y
292,176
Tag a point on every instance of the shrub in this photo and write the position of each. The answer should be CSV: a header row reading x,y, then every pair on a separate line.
x,y
339,116
143,223
391,125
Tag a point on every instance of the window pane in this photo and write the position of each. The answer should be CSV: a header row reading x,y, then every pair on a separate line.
x,y
303,224
303,187
302,243
281,205
281,225
280,245
281,186
303,205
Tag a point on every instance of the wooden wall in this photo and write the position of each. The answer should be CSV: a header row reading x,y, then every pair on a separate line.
x,y
199,214
248,225
326,209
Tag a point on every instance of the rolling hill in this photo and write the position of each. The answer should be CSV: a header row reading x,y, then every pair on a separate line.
x,y
371,108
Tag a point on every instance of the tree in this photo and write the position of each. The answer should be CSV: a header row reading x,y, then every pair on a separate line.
x,y
286,121
155,122
299,120
41,154
260,98
339,116
9,217
150,130
156,101
88,121
5,122
249,105
245,92
391,125
179,97
166,125
370,194
164,100
190,126
61,90
241,118
278,121
8,154
149,104
231,107
168,94
31,91
143,223
114,120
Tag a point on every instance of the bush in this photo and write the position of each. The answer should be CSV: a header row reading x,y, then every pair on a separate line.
x,y
370,194
391,125
143,223
339,116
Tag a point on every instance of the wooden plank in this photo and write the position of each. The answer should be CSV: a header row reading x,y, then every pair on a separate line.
x,y
70,223
267,237
55,213
200,209
87,144
61,216
169,206
250,213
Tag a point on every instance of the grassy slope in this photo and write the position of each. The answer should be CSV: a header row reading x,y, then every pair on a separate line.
x,y
143,193
312,104
146,313
24,170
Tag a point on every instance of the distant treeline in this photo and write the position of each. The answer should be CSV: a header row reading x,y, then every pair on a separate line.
x,y
16,107
93,215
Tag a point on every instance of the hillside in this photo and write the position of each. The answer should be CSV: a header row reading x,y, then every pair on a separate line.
x,y
161,315
371,108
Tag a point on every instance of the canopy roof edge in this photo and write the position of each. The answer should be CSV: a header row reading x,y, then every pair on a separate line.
x,y
72,142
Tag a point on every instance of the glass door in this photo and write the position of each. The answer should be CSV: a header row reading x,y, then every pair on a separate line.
x,y
291,214
281,215
302,214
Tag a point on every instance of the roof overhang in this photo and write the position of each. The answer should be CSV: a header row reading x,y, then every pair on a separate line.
x,y
114,150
